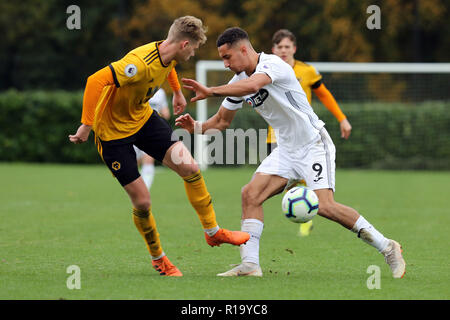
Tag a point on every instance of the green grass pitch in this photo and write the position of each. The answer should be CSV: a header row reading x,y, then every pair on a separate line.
x,y
55,216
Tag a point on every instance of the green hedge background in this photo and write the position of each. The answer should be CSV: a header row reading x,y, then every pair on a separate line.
x,y
34,127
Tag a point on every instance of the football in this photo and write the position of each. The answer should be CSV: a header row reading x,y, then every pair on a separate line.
x,y
300,204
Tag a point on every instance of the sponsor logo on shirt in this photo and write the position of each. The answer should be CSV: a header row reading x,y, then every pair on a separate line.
x,y
258,99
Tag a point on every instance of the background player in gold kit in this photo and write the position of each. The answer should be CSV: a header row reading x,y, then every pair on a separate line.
x,y
115,107
284,45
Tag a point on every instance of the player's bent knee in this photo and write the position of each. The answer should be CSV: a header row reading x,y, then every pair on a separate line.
x,y
142,202
185,170
193,168
142,206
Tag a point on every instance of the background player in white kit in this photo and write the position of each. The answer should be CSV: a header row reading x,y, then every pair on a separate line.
x,y
305,150
147,164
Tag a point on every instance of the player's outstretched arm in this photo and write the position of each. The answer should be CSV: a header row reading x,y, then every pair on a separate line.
x,y
201,91
236,89
92,92
330,103
220,121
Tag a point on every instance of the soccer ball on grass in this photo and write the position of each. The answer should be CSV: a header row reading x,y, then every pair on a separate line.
x,y
300,204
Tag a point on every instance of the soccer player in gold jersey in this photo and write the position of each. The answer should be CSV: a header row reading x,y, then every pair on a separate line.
x,y
284,45
115,107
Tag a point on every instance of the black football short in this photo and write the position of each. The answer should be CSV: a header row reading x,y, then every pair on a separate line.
x,y
154,138
270,147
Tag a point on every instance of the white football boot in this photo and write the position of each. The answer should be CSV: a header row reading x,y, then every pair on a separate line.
x,y
243,269
393,257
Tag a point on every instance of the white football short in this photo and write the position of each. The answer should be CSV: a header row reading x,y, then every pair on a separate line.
x,y
314,163
139,152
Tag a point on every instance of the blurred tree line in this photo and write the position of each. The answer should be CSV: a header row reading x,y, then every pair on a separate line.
x,y
37,50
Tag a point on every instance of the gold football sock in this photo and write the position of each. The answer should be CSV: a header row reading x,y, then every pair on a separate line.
x,y
200,199
146,225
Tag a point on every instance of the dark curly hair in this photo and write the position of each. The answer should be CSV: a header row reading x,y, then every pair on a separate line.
x,y
231,35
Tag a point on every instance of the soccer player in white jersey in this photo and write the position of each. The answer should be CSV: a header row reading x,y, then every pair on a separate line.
x,y
147,164
305,150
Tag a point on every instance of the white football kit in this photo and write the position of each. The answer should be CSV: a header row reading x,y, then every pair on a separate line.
x,y
305,149
159,100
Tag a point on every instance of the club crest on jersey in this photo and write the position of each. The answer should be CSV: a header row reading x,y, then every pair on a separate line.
x,y
257,99
130,70
115,165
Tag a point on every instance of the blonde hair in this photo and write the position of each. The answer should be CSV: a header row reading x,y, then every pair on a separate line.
x,y
187,27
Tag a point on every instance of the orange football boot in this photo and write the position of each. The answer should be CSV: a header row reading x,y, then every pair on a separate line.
x,y
226,236
166,268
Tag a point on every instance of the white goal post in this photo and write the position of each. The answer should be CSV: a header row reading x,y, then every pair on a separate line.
x,y
203,66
